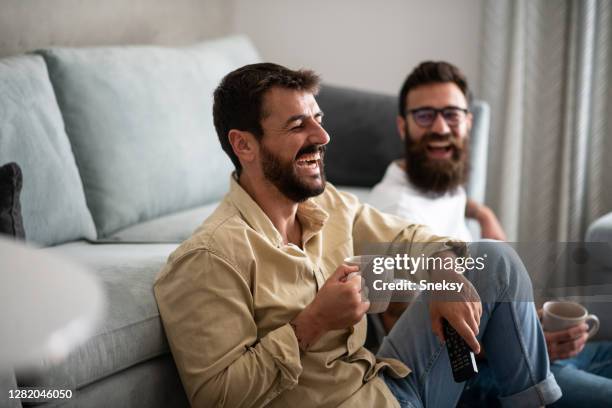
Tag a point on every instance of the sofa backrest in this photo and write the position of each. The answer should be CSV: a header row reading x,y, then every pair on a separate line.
x,y
363,139
32,135
139,120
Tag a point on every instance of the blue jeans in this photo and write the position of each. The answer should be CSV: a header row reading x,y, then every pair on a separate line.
x,y
586,380
510,332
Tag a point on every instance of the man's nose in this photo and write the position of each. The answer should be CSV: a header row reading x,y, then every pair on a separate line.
x,y
439,125
319,135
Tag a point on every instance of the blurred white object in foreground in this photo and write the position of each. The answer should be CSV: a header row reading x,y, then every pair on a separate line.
x,y
48,305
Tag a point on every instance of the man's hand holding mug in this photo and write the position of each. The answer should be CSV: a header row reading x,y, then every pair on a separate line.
x,y
566,328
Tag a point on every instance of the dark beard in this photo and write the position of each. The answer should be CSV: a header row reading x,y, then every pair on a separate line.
x,y
436,177
283,176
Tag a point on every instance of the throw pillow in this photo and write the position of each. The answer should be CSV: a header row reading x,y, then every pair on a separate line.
x,y
11,182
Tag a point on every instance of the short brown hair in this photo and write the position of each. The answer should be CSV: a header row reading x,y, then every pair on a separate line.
x,y
430,72
238,99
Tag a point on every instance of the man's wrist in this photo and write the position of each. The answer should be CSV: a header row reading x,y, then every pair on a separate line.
x,y
306,328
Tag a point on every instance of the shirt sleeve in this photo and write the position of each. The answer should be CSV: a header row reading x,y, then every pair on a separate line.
x,y
398,235
207,311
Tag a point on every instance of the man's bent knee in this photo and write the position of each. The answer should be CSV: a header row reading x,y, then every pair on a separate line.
x,y
503,276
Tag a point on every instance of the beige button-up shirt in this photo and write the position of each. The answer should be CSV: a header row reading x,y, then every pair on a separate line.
x,y
227,295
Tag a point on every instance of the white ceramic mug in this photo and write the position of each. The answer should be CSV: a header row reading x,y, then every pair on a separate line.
x,y
560,315
379,302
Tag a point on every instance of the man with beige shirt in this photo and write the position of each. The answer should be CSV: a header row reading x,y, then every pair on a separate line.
x,y
257,304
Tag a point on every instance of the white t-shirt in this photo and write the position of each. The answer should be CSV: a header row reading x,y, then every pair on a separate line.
x,y
445,214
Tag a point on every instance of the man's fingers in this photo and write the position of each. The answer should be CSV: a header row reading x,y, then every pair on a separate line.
x,y
473,319
473,323
344,271
566,334
579,330
355,280
476,315
566,349
574,353
572,345
468,335
568,354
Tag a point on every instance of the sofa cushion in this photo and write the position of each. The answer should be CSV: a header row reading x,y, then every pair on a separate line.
x,y
11,182
152,384
132,331
140,123
32,134
175,227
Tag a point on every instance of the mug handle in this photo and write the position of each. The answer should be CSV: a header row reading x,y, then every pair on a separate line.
x,y
595,327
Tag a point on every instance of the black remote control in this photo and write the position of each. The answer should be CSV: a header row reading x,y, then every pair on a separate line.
x,y
462,359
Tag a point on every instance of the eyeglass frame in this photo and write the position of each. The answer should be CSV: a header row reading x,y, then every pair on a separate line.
x,y
437,112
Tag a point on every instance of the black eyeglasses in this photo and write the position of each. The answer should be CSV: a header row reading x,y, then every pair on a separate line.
x,y
426,116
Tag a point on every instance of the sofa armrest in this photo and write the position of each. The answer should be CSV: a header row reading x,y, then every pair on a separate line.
x,y
479,146
598,240
600,230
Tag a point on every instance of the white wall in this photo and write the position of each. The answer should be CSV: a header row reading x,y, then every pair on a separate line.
x,y
29,24
366,44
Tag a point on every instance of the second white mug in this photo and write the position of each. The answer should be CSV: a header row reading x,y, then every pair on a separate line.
x,y
560,315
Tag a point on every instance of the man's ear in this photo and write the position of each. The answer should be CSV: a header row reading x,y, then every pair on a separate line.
x,y
401,127
243,144
468,121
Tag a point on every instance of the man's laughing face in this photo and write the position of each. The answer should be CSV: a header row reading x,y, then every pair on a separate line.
x,y
293,145
435,130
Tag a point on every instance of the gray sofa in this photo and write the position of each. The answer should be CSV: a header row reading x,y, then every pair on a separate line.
x,y
121,163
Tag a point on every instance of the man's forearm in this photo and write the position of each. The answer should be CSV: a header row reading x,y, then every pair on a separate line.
x,y
489,224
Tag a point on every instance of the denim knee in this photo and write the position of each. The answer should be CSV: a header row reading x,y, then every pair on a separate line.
x,y
504,277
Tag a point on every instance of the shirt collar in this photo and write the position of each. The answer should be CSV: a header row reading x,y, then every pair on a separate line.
x,y
310,214
312,218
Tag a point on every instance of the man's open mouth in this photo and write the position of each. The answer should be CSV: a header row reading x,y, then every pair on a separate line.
x,y
309,160
439,148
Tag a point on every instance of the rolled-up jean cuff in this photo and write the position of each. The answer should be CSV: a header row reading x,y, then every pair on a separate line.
x,y
543,393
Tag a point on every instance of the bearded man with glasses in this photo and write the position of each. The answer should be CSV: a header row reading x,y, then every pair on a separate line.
x,y
426,187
